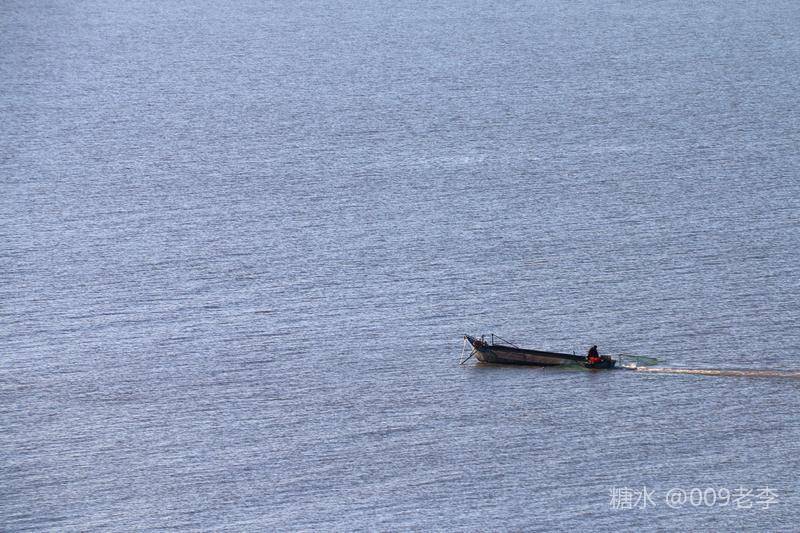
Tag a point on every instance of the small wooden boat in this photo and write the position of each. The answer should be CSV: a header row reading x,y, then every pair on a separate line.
x,y
492,352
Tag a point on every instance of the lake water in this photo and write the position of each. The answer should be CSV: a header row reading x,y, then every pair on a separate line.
x,y
240,244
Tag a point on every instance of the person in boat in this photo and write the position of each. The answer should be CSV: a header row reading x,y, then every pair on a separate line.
x,y
593,357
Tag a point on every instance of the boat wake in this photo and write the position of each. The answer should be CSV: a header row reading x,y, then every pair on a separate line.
x,y
793,374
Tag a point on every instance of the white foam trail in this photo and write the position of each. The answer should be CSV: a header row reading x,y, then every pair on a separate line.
x,y
724,372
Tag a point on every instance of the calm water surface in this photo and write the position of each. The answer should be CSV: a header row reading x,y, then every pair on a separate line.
x,y
240,244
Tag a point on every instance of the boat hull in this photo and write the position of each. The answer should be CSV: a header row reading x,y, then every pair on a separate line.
x,y
511,355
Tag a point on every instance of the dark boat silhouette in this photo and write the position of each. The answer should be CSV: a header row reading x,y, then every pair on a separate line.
x,y
508,354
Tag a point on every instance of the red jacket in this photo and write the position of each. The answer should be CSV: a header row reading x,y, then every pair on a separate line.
x,y
593,356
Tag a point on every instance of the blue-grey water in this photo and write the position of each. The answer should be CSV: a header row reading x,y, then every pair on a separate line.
x,y
240,242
